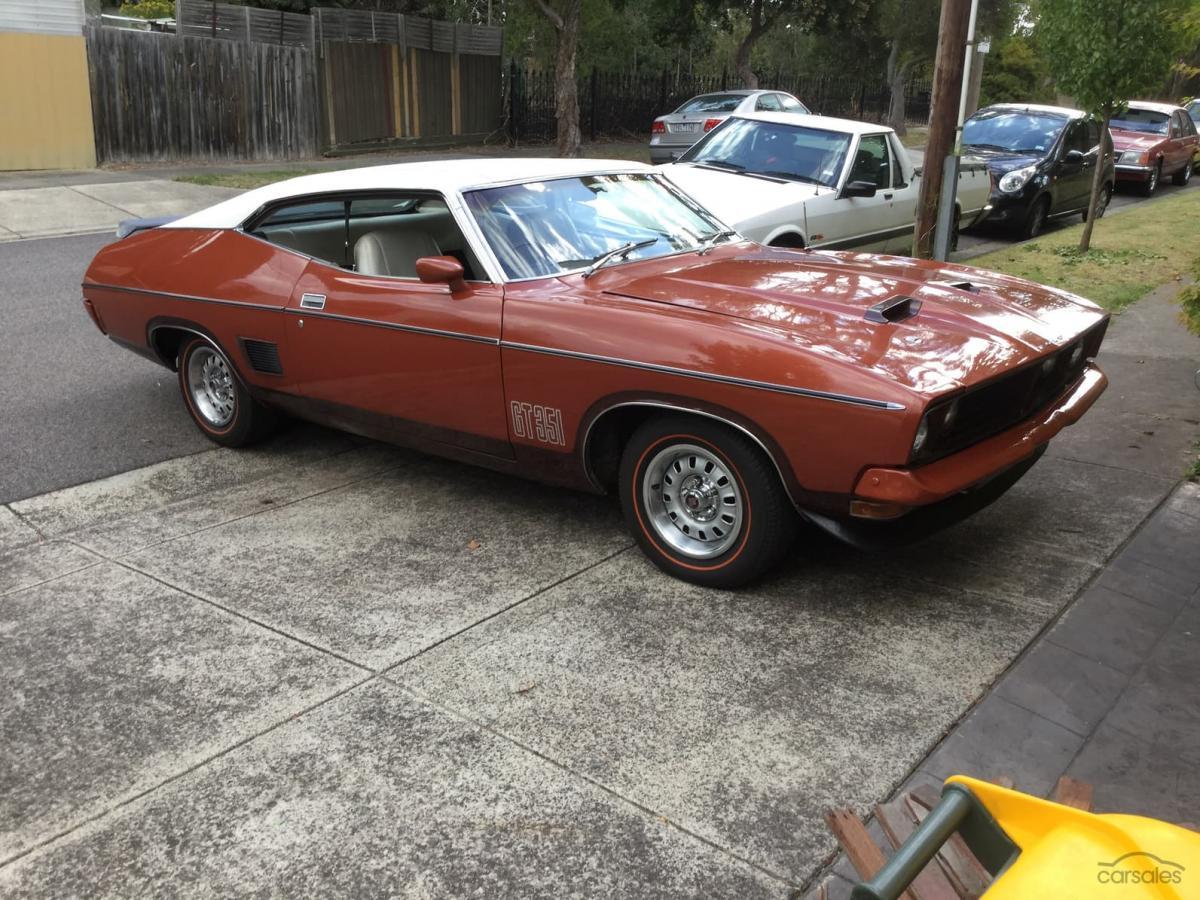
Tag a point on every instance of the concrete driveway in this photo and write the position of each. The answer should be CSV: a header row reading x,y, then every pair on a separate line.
x,y
331,668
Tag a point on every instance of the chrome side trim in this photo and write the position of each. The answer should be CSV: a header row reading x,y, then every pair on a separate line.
x,y
312,313
707,376
132,290
658,404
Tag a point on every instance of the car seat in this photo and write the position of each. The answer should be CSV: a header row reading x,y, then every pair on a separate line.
x,y
394,252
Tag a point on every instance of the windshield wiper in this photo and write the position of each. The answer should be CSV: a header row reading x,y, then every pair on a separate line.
x,y
711,241
617,253
989,147
719,164
791,176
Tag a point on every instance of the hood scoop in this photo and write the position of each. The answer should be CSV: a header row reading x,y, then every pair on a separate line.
x,y
892,310
967,286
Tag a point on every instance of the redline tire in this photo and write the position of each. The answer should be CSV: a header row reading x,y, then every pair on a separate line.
x,y
216,398
686,547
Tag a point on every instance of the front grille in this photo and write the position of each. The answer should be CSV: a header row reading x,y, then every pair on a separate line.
x,y
263,356
1001,403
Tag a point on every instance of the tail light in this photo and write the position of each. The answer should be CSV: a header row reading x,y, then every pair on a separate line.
x,y
658,127
710,124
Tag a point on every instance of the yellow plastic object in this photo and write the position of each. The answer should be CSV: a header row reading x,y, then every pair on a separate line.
x,y
1069,854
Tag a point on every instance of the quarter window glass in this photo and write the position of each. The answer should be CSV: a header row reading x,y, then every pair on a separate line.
x,y
768,103
872,161
315,228
791,104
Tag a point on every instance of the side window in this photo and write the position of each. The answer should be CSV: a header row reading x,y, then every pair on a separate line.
x,y
1093,136
316,228
388,233
791,104
872,161
1077,138
767,103
1189,126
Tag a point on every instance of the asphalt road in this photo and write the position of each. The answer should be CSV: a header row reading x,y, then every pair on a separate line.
x,y
75,406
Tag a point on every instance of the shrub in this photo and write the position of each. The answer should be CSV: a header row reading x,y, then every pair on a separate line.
x,y
149,9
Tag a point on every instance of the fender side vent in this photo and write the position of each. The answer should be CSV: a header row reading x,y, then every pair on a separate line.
x,y
894,309
263,356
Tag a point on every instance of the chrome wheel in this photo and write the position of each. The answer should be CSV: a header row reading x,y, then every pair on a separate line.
x,y
1152,183
210,383
693,500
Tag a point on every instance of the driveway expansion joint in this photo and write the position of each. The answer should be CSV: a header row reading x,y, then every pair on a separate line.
x,y
599,785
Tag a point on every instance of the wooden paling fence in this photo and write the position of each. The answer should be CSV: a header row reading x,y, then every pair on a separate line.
x,y
161,97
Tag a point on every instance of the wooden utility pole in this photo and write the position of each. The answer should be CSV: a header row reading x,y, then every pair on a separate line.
x,y
943,117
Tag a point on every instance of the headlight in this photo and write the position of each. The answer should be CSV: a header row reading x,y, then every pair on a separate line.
x,y
1076,355
1132,158
922,436
938,421
1016,179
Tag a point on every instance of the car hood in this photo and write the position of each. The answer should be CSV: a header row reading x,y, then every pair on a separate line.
x,y
1001,161
1135,140
737,198
817,300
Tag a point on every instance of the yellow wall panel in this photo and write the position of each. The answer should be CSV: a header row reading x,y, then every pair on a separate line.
x,y
45,103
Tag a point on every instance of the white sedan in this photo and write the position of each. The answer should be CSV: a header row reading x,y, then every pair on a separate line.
x,y
794,180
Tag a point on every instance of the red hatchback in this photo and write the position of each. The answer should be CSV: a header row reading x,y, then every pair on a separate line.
x,y
1154,140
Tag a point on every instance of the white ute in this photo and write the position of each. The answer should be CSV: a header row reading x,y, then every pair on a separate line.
x,y
794,180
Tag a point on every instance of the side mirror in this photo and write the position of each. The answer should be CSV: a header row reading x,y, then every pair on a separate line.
x,y
859,189
442,270
1073,158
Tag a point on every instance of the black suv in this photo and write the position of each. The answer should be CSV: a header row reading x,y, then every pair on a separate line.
x,y
1042,160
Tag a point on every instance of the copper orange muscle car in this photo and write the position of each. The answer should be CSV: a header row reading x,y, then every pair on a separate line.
x,y
585,323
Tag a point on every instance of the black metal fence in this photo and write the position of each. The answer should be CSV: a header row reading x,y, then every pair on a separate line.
x,y
621,104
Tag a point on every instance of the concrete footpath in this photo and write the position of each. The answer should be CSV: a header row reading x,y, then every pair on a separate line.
x,y
1109,692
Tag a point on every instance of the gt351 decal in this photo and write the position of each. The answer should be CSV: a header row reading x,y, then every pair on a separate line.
x,y
538,423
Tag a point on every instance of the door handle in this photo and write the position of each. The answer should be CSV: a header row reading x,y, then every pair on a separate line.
x,y
312,301
887,196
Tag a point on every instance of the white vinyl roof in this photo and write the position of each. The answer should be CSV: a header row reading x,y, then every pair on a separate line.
x,y
445,176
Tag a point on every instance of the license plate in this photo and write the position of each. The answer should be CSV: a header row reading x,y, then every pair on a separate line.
x,y
685,127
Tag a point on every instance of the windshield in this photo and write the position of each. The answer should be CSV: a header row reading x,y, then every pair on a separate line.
x,y
711,103
1143,120
1193,109
791,152
1017,132
546,228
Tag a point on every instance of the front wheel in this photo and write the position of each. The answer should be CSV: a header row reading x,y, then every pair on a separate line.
x,y
704,502
1101,202
1035,222
219,403
1150,185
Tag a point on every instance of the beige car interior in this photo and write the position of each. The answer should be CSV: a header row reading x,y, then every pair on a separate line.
x,y
379,243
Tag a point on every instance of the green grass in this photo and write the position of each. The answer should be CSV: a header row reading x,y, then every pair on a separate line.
x,y
915,137
244,180
1133,252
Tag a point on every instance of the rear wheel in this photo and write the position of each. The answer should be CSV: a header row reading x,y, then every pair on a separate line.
x,y
1150,185
1183,176
704,502
219,403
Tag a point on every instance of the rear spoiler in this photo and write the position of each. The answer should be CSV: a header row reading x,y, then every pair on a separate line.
x,y
129,226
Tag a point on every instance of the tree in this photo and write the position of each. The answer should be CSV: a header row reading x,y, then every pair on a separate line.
x,y
806,16
564,15
1103,52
